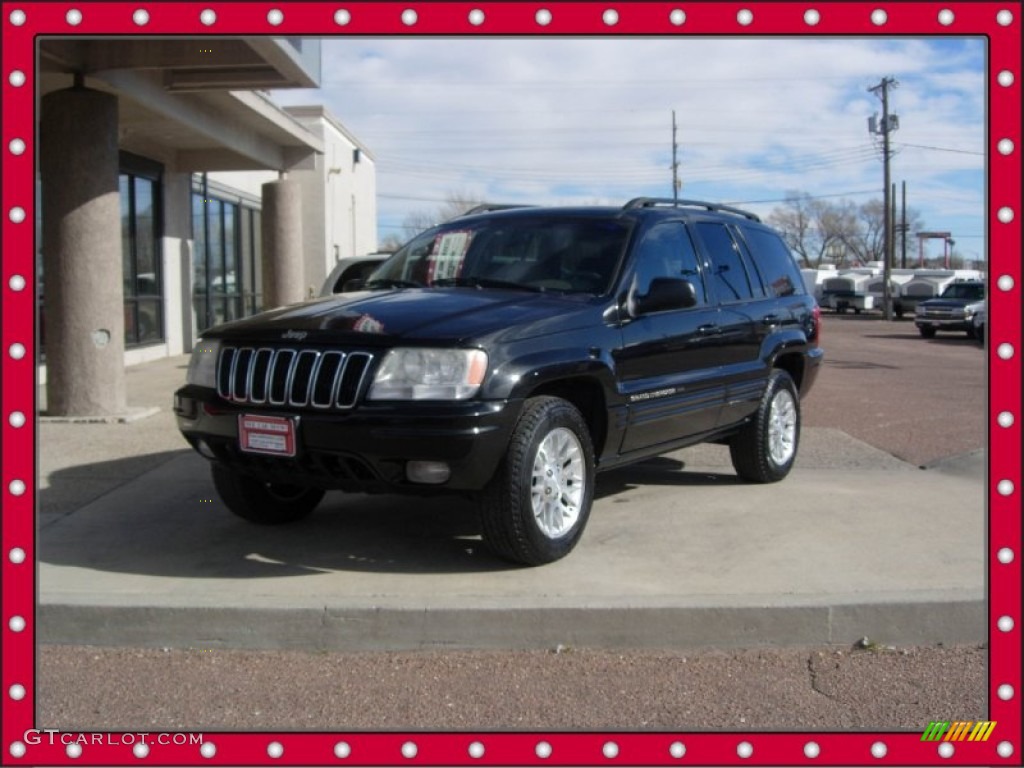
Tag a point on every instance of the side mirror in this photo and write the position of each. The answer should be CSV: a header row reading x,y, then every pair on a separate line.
x,y
666,293
354,284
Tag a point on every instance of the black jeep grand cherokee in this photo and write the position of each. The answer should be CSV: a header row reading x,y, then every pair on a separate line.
x,y
512,353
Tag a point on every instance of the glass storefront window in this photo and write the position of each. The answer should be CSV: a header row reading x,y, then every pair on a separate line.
x,y
140,252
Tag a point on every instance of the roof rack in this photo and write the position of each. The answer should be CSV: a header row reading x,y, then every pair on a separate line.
x,y
488,207
651,202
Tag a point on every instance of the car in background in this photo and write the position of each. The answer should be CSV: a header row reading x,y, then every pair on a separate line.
x,y
953,310
350,269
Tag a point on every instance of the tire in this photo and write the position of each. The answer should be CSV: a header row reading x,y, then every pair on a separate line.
x,y
536,506
265,503
979,334
927,333
764,451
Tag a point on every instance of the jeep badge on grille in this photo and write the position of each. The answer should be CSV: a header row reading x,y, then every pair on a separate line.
x,y
296,335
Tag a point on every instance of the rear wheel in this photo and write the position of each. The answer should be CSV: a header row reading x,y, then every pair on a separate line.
x,y
536,506
261,502
765,449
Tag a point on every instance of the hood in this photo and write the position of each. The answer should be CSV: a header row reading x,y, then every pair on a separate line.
x,y
379,317
949,303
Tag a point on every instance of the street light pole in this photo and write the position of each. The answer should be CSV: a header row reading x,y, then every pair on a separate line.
x,y
888,124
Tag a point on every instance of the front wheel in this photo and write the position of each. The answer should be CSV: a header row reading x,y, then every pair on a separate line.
x,y
258,501
765,449
536,506
927,333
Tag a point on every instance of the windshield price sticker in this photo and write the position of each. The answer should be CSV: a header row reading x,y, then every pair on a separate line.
x,y
272,435
448,255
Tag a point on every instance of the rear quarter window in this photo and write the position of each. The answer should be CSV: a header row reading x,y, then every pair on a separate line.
x,y
774,262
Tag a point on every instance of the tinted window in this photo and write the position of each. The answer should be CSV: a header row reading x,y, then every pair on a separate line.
x,y
667,251
728,274
774,261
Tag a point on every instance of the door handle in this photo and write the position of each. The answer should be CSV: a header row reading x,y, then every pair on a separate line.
x,y
708,329
770,320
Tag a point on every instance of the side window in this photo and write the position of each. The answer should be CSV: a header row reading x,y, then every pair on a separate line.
x,y
774,261
728,274
667,251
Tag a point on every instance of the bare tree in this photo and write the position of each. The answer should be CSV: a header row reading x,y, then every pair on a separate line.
x,y
455,204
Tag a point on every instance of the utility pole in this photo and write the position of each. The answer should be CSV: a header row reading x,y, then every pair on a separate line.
x,y
889,123
676,184
903,230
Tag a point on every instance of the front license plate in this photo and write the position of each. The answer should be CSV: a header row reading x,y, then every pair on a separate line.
x,y
273,435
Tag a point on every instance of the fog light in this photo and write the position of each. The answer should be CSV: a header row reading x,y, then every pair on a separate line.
x,y
430,472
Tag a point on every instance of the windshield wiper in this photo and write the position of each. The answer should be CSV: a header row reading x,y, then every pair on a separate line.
x,y
389,282
484,282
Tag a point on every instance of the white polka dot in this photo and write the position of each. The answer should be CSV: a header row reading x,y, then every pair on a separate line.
x,y
811,749
1005,78
17,17
1005,146
17,624
342,17
677,17
16,692
16,283
1005,749
610,750
73,17
811,17
1005,282
17,487
677,750
1005,487
17,749
141,750
744,749
141,17
543,750
1005,351
476,750
16,78
543,17
74,751
610,17
17,214
946,17
745,16
275,749
409,750
16,555
208,17
208,750
342,750
1005,692
17,147
16,419
879,17
476,17
409,17
879,750
1005,555
1005,624
1005,214
1004,18
17,351
275,16
946,749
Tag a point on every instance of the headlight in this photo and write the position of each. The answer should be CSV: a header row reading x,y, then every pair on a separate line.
x,y
202,368
968,313
429,374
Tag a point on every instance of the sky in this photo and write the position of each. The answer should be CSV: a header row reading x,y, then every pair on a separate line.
x,y
589,120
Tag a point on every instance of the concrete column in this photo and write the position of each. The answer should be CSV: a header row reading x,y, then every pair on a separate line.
x,y
83,301
283,273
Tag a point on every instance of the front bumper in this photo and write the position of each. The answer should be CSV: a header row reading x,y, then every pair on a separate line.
x,y
945,323
365,449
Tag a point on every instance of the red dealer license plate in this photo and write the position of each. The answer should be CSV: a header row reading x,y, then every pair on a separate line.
x,y
273,435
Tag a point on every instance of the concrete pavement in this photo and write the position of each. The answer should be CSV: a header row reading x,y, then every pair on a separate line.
x,y
136,549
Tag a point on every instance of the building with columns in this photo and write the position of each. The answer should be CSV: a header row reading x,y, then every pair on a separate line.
x,y
174,195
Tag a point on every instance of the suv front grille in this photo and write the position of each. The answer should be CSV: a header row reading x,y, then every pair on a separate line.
x,y
298,378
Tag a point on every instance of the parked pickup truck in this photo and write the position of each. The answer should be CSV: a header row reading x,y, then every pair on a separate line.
x,y
510,355
953,310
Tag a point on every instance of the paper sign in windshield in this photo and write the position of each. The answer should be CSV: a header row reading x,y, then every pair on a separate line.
x,y
449,253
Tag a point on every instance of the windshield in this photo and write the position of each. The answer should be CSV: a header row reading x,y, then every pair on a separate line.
x,y
573,254
972,291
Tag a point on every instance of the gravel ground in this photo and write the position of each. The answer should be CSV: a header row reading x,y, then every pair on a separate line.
x,y
564,689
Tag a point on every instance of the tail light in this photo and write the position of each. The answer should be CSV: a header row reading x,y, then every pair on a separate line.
x,y
816,319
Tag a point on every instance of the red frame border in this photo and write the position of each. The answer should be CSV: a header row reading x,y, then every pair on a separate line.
x,y
518,18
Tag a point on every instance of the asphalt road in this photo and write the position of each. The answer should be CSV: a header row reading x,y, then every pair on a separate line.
x,y
923,401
